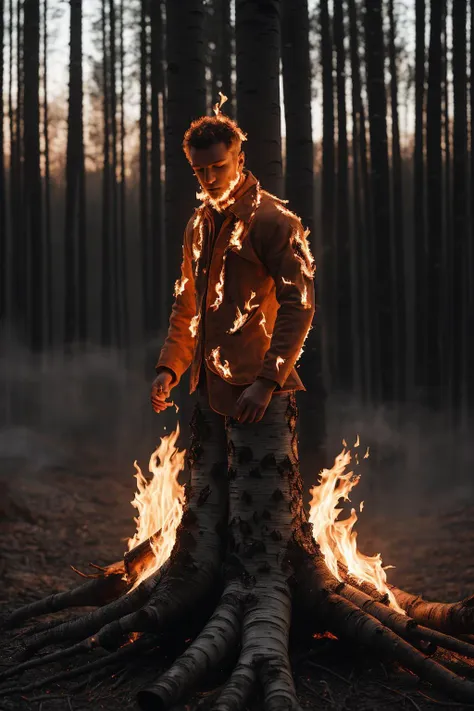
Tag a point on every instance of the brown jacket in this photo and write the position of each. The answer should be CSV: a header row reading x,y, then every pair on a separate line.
x,y
256,279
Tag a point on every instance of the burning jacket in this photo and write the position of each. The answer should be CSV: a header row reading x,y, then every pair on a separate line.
x,y
256,278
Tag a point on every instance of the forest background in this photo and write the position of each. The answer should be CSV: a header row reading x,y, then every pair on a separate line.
x,y
359,112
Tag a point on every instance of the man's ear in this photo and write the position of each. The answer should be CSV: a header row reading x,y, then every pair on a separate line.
x,y
241,159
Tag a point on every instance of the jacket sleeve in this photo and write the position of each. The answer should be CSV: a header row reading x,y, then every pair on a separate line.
x,y
178,349
285,253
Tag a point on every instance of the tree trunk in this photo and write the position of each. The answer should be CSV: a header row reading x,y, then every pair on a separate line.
x,y
47,190
398,238
33,218
470,275
257,34
459,237
158,247
3,214
122,243
447,287
186,101
107,272
384,304
144,216
344,376
435,203
419,206
19,297
299,186
299,191
327,271
74,232
362,247
114,233
222,37
13,159
244,560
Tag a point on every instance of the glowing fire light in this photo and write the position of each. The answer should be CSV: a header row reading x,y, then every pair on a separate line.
x,y
287,282
180,285
240,319
279,361
304,298
222,368
194,325
236,236
219,287
159,502
263,324
197,246
248,304
336,538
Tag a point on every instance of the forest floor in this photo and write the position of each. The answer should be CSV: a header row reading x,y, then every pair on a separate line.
x,y
59,518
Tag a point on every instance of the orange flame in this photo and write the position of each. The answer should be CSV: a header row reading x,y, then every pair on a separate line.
x,y
240,319
336,538
217,107
180,285
159,502
197,247
263,324
287,282
248,304
222,368
219,287
194,325
279,361
304,298
236,236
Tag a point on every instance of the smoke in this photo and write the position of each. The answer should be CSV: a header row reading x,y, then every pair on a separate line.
x,y
87,410
91,410
417,462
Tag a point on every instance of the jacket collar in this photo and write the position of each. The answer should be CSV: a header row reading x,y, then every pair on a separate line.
x,y
244,202
244,199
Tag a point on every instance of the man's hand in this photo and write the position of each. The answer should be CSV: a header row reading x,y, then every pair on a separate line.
x,y
160,390
253,402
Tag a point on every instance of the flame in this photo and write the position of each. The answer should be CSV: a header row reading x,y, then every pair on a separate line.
x,y
287,282
222,368
220,287
225,200
240,319
194,325
336,538
197,247
302,251
159,502
180,285
236,236
279,361
304,298
263,324
217,107
248,304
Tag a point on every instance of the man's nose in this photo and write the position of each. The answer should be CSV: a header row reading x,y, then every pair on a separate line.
x,y
209,176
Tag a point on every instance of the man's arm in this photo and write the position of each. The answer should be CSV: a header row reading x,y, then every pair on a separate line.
x,y
285,253
178,348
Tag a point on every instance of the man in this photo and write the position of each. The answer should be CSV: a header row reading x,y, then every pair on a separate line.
x,y
245,300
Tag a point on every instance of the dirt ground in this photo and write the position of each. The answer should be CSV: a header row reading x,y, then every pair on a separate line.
x,y
61,518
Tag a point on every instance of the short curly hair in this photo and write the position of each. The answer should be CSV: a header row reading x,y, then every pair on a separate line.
x,y
209,130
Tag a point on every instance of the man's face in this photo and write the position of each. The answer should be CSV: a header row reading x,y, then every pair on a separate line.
x,y
216,167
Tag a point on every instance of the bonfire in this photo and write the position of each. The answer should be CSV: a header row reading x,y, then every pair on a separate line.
x,y
233,559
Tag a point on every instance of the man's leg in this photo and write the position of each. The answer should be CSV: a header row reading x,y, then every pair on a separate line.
x,y
264,501
207,461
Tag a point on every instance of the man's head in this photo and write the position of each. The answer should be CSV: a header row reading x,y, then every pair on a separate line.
x,y
213,147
